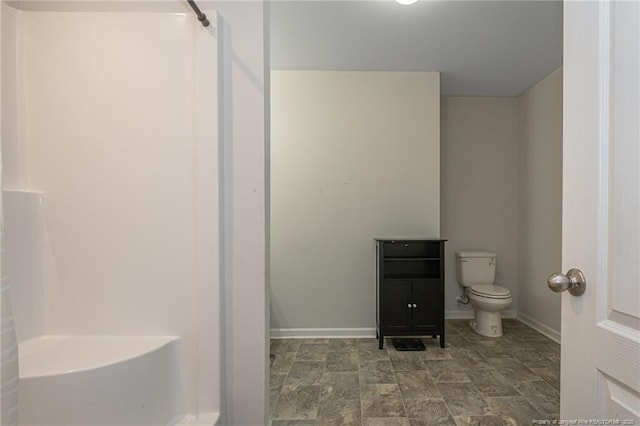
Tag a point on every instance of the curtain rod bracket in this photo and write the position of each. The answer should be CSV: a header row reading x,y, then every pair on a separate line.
x,y
201,16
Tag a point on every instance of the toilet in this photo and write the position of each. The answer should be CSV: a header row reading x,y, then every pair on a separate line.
x,y
476,274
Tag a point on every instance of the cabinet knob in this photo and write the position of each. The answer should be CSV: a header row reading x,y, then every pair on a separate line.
x,y
415,306
409,305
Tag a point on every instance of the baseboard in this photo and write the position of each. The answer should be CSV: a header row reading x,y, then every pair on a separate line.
x,y
314,333
539,327
338,333
470,314
366,332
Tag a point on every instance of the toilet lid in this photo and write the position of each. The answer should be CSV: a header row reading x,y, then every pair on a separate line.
x,y
492,291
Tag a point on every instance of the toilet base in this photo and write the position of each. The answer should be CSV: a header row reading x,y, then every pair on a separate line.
x,y
487,324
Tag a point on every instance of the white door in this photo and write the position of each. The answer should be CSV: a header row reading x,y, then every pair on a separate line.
x,y
600,370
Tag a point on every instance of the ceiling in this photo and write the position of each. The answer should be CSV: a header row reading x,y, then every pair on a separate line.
x,y
481,48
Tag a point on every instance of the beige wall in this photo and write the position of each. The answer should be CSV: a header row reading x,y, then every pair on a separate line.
x,y
540,165
500,186
479,204
354,155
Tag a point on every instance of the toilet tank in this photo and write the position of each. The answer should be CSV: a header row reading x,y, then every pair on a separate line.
x,y
475,267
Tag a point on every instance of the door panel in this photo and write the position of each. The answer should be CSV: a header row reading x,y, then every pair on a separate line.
x,y
600,371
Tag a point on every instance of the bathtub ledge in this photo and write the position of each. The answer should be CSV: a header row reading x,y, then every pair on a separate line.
x,y
60,354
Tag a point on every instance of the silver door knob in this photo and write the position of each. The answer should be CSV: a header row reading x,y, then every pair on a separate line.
x,y
574,281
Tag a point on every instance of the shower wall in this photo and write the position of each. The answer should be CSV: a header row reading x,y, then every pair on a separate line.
x,y
109,140
26,260
100,116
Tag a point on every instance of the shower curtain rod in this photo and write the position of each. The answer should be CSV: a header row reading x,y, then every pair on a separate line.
x,y
201,16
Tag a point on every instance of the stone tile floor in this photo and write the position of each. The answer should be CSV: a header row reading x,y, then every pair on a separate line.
x,y
475,380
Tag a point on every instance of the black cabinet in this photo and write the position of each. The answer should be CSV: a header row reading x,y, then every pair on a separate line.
x,y
409,288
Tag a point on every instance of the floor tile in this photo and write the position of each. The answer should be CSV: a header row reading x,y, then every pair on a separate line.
x,y
340,386
491,383
386,421
378,366
417,385
377,378
297,402
339,412
293,423
456,340
465,353
382,401
305,373
444,421
279,346
475,380
514,409
493,349
472,336
463,399
539,388
428,412
549,349
525,354
542,362
276,381
409,361
550,375
373,355
513,370
542,396
368,344
342,361
510,339
433,344
435,354
457,324
468,358
534,340
447,371
282,362
343,345
312,352
479,421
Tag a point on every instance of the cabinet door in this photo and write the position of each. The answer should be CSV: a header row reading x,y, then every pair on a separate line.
x,y
396,298
427,296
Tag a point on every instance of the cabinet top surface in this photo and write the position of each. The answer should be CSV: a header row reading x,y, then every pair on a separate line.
x,y
387,240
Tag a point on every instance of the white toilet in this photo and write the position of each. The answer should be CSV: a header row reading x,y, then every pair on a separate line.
x,y
476,273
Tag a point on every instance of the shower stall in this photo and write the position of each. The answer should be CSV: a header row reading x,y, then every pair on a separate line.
x,y
112,195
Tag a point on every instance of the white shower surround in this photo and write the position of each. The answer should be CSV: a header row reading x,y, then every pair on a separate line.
x,y
110,139
78,380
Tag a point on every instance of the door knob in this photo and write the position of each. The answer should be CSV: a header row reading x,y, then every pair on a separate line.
x,y
574,281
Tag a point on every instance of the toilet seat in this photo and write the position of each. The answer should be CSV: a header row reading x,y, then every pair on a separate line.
x,y
490,291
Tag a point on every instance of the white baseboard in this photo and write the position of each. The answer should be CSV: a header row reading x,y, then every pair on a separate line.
x,y
469,314
541,328
323,333
366,332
